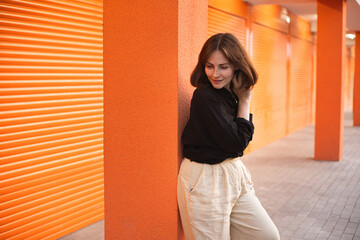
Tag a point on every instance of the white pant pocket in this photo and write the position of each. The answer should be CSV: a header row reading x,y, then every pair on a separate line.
x,y
196,171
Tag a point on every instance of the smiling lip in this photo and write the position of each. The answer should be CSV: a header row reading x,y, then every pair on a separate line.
x,y
217,81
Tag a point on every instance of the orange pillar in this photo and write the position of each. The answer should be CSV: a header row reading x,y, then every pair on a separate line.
x,y
193,22
356,99
330,74
143,64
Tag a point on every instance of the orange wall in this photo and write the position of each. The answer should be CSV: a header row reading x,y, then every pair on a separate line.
x,y
238,8
356,99
147,65
300,28
220,21
272,16
300,85
269,98
349,77
302,78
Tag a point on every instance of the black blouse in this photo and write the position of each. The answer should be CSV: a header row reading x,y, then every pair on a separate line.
x,y
213,132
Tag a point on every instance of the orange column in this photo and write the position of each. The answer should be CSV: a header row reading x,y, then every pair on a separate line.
x,y
142,60
330,74
356,99
140,119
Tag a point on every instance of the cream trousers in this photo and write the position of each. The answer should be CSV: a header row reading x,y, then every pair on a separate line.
x,y
218,202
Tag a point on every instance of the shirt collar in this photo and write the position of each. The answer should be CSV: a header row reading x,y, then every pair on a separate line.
x,y
225,93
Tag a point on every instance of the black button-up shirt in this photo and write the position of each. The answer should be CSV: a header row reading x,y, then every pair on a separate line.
x,y
213,132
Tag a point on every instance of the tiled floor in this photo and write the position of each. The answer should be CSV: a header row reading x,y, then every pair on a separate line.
x,y
94,231
307,199
310,199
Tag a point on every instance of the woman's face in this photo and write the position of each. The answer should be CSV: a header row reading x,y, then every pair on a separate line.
x,y
219,70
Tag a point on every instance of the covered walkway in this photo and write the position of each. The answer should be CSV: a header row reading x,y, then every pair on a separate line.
x,y
307,199
310,199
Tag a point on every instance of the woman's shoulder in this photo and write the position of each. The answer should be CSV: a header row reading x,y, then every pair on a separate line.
x,y
205,94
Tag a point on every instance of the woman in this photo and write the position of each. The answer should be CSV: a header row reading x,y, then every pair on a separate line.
x,y
215,192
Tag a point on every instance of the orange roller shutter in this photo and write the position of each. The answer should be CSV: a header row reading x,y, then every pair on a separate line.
x,y
51,117
268,101
300,84
349,78
220,22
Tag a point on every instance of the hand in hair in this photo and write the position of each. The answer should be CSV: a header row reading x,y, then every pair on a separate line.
x,y
239,89
244,95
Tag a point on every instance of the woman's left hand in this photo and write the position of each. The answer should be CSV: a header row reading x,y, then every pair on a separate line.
x,y
241,92
244,95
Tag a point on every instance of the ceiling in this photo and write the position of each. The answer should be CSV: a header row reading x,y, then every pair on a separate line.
x,y
307,9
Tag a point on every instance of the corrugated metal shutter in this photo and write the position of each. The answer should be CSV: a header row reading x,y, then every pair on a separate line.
x,y
300,84
220,21
268,99
313,86
349,78
51,117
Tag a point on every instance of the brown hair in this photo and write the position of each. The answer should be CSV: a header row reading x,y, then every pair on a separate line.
x,y
232,49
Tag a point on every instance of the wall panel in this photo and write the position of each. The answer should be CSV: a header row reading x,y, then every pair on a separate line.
x,y
268,103
300,84
220,22
272,16
234,7
51,117
349,77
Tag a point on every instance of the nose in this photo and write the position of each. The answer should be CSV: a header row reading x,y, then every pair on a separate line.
x,y
216,73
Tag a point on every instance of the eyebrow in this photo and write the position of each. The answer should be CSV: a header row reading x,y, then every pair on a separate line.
x,y
222,64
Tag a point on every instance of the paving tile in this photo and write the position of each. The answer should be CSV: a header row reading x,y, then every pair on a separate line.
x,y
341,224
357,233
287,234
347,236
351,227
323,234
296,237
327,228
337,233
319,223
308,222
355,219
333,217
333,238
